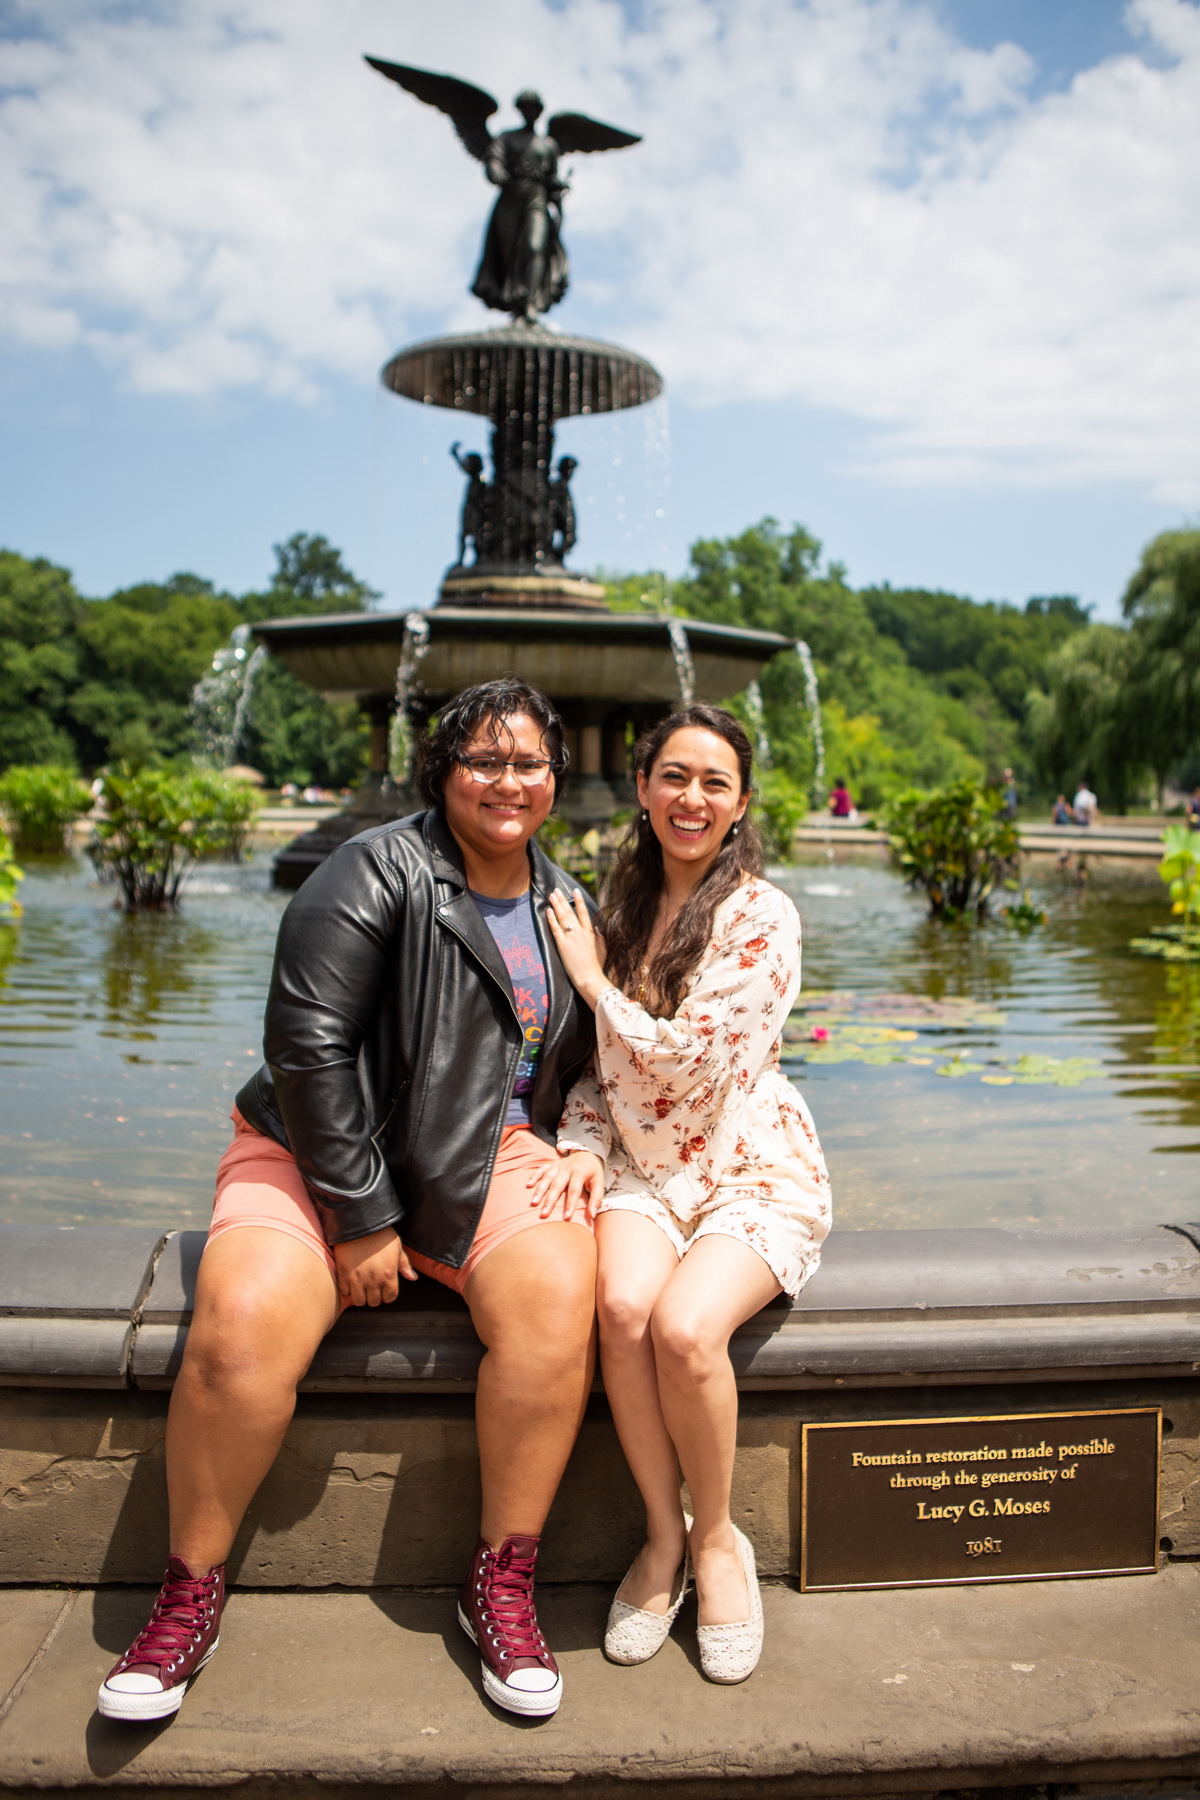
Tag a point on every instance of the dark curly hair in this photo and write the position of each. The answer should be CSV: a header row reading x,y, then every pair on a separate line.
x,y
487,703
633,889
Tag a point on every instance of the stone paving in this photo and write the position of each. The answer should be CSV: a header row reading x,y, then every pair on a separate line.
x,y
1093,1682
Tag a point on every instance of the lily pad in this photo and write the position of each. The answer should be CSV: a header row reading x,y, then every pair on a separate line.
x,y
958,1066
1170,949
1064,1071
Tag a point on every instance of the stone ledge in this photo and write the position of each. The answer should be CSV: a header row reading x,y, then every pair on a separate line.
x,y
384,1488
1086,1682
885,1308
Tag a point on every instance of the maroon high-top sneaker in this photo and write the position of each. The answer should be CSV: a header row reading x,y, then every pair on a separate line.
x,y
181,1634
497,1613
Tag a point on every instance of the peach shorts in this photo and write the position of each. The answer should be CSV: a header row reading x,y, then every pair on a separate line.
x,y
258,1183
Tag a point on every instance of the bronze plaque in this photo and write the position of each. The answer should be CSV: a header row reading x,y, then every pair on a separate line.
x,y
1007,1497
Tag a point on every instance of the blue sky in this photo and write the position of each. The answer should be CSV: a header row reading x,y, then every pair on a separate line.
x,y
921,275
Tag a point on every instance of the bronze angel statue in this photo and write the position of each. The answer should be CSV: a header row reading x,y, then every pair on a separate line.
x,y
523,269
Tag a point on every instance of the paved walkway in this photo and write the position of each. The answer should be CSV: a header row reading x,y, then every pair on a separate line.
x,y
1081,1681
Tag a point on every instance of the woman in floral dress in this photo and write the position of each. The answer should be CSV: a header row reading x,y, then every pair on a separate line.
x,y
716,1197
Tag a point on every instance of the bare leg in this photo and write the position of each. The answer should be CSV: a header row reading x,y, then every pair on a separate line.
x,y
533,1303
263,1304
636,1262
719,1284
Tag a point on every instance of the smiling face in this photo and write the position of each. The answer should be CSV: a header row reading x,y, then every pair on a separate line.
x,y
693,794
493,819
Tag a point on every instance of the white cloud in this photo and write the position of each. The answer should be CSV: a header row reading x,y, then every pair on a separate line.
x,y
837,201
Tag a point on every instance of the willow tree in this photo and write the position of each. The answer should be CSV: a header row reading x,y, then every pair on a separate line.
x,y
1079,723
1162,604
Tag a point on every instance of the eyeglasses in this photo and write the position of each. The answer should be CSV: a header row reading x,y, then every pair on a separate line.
x,y
530,771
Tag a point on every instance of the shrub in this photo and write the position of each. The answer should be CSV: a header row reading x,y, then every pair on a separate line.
x,y
782,807
41,801
157,824
956,843
10,877
1180,869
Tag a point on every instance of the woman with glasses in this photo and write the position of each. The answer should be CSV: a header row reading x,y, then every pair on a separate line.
x,y
421,1037
716,1194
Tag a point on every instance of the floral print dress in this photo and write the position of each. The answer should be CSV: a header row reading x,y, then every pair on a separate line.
x,y
699,1128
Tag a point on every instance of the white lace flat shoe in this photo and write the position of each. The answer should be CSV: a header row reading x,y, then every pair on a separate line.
x,y
634,1636
729,1653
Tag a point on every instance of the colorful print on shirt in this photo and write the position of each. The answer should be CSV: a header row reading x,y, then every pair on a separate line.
x,y
512,926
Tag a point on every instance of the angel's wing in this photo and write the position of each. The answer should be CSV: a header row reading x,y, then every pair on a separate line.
x,y
575,131
469,107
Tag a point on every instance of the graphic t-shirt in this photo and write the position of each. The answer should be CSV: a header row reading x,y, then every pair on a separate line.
x,y
511,924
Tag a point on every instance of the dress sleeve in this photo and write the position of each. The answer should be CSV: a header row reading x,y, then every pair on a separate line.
x,y
667,1081
584,1124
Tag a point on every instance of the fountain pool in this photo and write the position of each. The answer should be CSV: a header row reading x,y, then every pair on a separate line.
x,y
938,1063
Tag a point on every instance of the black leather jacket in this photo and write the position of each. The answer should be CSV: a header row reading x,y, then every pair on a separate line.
x,y
392,1039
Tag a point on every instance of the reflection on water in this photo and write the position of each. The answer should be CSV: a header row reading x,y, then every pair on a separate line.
x,y
908,1148
123,1041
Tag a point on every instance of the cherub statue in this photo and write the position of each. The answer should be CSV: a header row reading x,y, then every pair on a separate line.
x,y
562,508
523,269
473,522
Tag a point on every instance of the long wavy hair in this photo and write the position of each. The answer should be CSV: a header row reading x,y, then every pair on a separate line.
x,y
634,887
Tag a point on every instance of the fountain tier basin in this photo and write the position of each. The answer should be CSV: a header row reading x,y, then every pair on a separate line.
x,y
607,673
523,370
599,658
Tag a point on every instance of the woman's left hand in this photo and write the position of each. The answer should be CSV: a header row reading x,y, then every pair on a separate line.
x,y
579,945
577,1179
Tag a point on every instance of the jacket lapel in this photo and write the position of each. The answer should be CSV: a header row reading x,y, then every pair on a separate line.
x,y
457,910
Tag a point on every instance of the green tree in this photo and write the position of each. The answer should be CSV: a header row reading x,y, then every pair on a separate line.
x,y
292,734
310,577
1162,604
1079,722
39,660
985,655
885,725
142,652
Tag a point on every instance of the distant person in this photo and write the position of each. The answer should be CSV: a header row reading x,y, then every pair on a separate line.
x,y
1061,813
1193,808
841,805
1085,805
1010,795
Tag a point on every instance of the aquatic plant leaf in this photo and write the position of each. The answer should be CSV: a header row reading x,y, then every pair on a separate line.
x,y
1170,947
957,1066
1055,1071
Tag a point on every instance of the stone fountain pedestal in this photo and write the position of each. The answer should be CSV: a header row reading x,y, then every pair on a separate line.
x,y
514,607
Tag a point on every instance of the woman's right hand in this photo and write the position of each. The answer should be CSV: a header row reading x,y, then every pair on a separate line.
x,y
369,1268
577,1180
579,944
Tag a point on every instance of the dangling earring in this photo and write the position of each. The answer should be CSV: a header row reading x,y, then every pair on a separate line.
x,y
645,816
737,824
